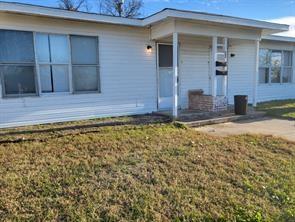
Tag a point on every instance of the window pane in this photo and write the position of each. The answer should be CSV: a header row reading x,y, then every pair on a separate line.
x,y
287,58
60,75
166,82
264,57
276,58
85,78
84,50
45,77
59,49
16,47
42,47
165,56
276,74
263,75
18,79
287,75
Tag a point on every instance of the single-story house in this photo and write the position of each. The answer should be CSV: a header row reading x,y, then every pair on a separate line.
x,y
58,65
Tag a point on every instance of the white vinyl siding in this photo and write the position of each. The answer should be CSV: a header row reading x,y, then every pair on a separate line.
x,y
127,75
241,69
194,66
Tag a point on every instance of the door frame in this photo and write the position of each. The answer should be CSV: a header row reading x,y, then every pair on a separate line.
x,y
158,75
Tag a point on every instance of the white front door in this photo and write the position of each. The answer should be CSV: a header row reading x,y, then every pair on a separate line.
x,y
165,70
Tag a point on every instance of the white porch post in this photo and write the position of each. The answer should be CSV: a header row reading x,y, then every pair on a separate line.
x,y
225,78
256,72
175,75
213,66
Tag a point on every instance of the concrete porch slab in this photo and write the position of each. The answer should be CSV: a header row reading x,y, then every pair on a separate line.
x,y
193,118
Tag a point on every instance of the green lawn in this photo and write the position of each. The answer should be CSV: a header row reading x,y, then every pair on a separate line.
x,y
144,172
280,108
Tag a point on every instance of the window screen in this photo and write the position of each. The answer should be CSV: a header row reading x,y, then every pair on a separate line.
x,y
17,63
85,63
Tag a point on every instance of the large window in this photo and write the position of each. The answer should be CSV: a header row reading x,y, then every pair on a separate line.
x,y
17,63
47,63
275,66
53,61
85,63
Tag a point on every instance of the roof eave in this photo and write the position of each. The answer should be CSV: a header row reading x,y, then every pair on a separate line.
x,y
64,14
180,14
279,38
158,17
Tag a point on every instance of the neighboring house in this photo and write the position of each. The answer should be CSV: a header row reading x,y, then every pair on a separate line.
x,y
58,65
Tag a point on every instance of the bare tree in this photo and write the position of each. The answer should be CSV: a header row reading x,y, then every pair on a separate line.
x,y
127,8
72,5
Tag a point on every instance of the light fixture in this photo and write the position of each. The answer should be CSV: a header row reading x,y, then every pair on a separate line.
x,y
149,48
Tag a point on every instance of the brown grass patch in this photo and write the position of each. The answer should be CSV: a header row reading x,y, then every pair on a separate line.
x,y
155,172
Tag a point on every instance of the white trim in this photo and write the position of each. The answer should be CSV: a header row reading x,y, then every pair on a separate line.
x,y
256,73
278,38
50,63
159,99
175,74
71,90
213,66
27,9
182,14
37,66
225,80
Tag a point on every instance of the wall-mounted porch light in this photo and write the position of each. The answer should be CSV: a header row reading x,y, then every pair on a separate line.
x,y
149,48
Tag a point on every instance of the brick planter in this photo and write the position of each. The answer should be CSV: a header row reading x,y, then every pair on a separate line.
x,y
206,103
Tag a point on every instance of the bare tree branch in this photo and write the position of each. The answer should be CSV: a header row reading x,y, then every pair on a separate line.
x,y
72,5
127,8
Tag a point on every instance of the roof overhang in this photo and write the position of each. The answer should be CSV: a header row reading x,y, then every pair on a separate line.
x,y
27,9
214,18
279,38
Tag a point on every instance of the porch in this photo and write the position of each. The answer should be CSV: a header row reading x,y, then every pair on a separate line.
x,y
192,58
193,118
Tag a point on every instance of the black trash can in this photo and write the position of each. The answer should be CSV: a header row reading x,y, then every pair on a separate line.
x,y
241,104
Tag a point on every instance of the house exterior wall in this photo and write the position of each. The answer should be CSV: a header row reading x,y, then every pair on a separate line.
x,y
127,73
194,66
267,92
241,69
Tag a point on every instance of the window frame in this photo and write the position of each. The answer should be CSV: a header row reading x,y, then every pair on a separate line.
x,y
3,93
97,65
50,63
36,66
282,67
